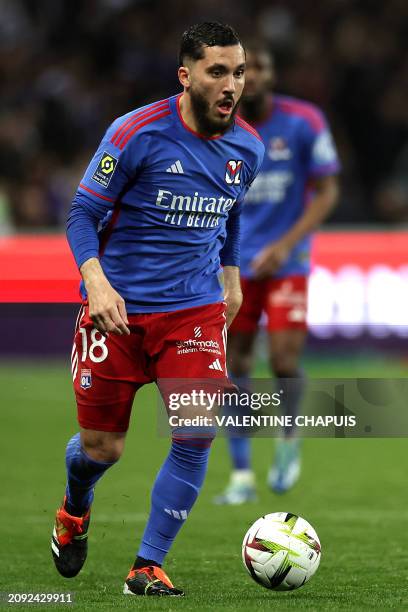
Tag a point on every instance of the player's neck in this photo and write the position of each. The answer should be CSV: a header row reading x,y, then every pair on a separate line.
x,y
189,118
256,110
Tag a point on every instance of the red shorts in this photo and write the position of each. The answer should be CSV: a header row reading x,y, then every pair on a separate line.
x,y
284,301
107,371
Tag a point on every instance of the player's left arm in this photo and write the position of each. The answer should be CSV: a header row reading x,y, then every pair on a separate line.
x,y
229,257
232,292
320,158
230,253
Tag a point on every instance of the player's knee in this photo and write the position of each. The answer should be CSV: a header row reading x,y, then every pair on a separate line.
x,y
239,356
239,365
284,364
103,446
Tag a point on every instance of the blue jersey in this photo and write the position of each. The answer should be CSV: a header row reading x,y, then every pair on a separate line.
x,y
298,148
159,205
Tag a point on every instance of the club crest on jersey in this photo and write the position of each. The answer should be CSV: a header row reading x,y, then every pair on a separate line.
x,y
86,379
233,172
105,169
279,150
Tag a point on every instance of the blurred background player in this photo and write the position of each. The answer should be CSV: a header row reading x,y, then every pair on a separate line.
x,y
149,191
293,194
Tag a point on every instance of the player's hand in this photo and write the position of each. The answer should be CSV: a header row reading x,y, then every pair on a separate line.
x,y
270,259
107,310
106,307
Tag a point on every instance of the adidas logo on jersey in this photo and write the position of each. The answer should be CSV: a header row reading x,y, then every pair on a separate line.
x,y
216,365
176,168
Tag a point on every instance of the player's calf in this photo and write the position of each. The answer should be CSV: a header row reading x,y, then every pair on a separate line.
x,y
69,542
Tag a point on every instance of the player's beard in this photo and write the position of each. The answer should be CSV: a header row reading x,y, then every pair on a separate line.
x,y
208,126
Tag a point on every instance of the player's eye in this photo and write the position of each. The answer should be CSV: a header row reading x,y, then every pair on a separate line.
x,y
239,73
216,73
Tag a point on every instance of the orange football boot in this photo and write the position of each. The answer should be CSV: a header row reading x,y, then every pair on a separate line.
x,y
151,580
69,542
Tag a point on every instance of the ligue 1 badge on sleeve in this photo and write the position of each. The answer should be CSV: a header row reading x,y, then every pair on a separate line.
x,y
86,379
105,169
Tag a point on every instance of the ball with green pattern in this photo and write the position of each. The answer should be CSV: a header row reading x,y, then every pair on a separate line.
x,y
281,551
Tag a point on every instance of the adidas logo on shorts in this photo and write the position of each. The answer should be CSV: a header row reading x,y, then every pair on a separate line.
x,y
216,365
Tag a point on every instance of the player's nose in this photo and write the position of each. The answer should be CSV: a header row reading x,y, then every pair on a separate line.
x,y
229,85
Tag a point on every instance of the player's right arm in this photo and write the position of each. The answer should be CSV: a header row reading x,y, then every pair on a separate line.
x,y
107,308
275,254
102,186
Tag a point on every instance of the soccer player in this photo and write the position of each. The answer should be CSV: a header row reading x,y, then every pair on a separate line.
x,y
293,193
155,215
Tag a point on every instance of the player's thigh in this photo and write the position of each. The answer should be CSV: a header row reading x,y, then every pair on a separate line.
x,y
194,345
285,303
247,319
192,366
286,310
240,349
105,376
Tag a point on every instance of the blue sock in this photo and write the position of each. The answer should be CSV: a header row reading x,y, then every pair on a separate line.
x,y
293,387
240,452
174,492
240,445
83,473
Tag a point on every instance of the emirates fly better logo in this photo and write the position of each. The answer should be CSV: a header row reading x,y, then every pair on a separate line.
x,y
233,172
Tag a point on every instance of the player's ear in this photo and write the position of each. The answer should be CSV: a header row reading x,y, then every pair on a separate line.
x,y
184,76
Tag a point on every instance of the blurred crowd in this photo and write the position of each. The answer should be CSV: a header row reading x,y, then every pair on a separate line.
x,y
68,68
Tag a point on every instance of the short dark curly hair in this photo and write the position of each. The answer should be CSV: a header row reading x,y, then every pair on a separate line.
x,y
207,34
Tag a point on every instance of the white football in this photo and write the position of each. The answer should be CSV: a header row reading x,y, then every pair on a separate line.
x,y
281,551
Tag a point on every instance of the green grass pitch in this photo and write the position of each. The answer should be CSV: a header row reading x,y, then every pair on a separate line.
x,y
354,492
